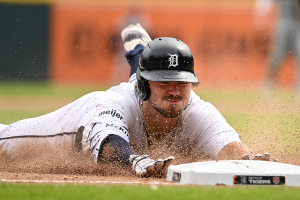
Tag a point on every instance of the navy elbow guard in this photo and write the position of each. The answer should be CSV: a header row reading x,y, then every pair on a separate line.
x,y
119,150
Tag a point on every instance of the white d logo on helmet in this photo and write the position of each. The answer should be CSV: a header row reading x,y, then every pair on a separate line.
x,y
173,60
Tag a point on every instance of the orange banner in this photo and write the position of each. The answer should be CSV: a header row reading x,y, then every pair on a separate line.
x,y
229,50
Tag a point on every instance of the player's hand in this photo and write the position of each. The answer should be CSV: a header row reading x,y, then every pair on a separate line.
x,y
265,157
143,166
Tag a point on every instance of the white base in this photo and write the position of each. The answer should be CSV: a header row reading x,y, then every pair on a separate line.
x,y
235,172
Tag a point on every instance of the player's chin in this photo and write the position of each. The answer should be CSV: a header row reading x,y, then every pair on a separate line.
x,y
175,110
174,113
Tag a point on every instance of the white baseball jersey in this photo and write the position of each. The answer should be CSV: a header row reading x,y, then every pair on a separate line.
x,y
85,123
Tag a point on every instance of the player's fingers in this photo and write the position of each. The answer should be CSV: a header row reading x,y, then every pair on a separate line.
x,y
257,157
275,160
266,157
167,162
245,157
159,165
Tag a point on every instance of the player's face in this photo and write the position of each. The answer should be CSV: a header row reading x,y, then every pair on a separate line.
x,y
169,98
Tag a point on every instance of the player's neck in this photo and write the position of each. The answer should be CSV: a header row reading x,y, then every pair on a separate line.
x,y
159,125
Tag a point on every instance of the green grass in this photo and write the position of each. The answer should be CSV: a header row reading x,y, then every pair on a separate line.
x,y
271,132
43,89
140,192
248,96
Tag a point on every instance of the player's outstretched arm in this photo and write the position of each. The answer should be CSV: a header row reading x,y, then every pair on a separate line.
x,y
118,151
234,151
239,151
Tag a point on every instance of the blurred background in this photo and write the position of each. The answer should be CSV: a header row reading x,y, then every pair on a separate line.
x,y
79,41
55,51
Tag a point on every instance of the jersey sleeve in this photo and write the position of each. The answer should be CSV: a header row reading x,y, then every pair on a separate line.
x,y
209,130
111,117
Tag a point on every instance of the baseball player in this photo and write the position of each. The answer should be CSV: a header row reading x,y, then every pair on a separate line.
x,y
135,124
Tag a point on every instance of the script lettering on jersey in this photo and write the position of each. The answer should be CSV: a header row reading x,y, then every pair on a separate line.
x,y
120,128
112,112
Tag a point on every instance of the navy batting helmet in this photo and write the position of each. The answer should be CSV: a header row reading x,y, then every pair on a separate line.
x,y
164,59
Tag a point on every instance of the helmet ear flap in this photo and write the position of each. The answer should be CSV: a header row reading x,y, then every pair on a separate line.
x,y
147,89
143,88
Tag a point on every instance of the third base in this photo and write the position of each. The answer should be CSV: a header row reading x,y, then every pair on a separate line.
x,y
235,172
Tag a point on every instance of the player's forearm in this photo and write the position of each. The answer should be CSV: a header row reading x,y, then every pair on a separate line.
x,y
234,151
117,150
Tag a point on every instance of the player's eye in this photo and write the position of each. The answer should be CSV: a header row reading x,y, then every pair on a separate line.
x,y
163,83
183,84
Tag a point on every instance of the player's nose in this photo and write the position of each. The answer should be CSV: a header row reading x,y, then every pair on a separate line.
x,y
173,89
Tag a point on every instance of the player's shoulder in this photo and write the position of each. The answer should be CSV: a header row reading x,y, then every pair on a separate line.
x,y
121,99
124,94
124,89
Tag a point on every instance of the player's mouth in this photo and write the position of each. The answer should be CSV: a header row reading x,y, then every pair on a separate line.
x,y
172,99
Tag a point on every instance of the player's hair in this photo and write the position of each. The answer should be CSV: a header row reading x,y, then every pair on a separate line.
x,y
195,84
